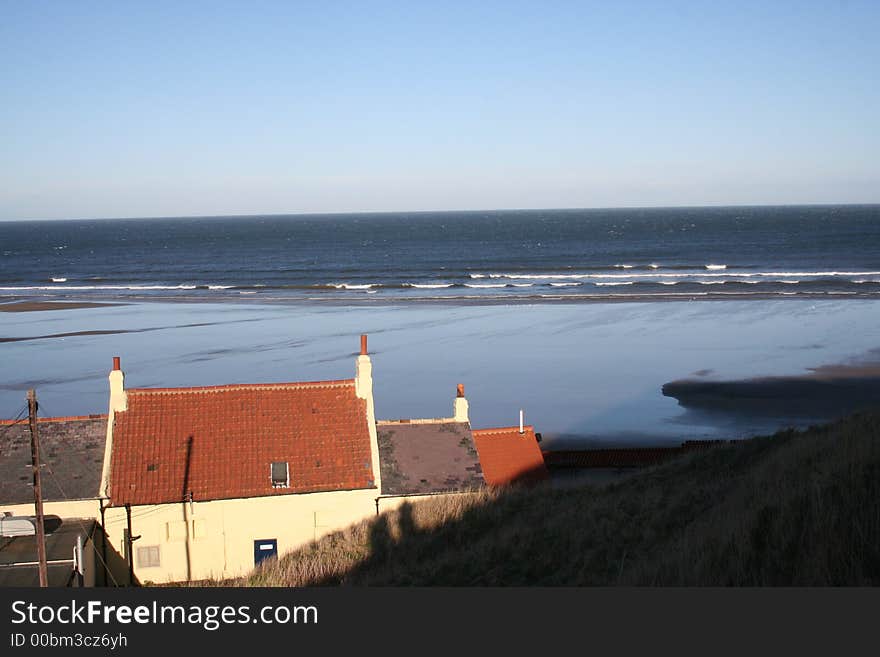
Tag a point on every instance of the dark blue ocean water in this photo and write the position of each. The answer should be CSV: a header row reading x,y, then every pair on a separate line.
x,y
534,255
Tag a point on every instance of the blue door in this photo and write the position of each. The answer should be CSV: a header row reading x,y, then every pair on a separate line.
x,y
265,549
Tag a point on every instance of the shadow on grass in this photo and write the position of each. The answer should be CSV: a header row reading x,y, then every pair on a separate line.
x,y
796,508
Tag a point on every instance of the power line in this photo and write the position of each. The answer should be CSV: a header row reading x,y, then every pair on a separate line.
x,y
82,526
17,420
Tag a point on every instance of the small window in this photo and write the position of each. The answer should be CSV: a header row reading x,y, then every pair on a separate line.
x,y
280,475
148,556
175,530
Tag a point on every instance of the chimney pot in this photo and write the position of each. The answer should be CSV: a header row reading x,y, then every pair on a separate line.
x,y
460,390
116,366
363,345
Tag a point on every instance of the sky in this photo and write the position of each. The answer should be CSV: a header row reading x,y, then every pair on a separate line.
x,y
124,109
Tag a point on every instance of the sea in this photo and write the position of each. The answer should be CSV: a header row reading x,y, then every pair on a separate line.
x,y
506,256
578,317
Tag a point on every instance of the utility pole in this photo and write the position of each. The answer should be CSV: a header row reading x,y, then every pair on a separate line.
x,y
38,491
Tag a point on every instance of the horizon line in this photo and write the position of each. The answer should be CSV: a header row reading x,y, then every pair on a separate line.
x,y
478,210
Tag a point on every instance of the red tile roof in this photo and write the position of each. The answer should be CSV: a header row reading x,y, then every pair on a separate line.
x,y
508,456
219,442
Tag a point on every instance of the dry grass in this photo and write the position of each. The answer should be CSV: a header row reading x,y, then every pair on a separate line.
x,y
790,509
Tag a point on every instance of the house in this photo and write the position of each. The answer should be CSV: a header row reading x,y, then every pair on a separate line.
x,y
434,456
207,482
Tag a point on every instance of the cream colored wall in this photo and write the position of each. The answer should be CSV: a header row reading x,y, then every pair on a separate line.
x,y
391,503
63,509
222,532
90,563
219,535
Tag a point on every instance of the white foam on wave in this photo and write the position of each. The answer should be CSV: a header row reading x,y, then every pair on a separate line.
x,y
565,284
351,286
716,274
219,287
626,296
486,285
83,288
604,284
58,280
426,286
522,284
716,267
623,266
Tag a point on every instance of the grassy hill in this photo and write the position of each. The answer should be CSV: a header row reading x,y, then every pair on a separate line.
x,y
796,508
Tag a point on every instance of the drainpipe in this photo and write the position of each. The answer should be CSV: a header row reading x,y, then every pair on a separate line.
x,y
104,543
130,540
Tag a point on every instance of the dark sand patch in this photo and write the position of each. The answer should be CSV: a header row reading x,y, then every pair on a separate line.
x,y
35,306
117,331
64,335
825,392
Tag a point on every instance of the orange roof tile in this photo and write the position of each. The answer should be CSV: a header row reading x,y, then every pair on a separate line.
x,y
219,442
60,418
508,456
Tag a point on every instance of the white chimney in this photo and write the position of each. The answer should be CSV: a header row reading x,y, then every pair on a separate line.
x,y
363,382
118,404
521,429
363,388
118,397
460,407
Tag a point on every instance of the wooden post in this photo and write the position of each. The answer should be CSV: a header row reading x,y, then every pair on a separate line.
x,y
38,490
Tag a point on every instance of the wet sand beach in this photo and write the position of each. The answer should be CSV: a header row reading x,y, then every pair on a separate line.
x,y
585,374
37,306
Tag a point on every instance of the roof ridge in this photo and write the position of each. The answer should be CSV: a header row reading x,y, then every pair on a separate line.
x,y
526,427
295,385
60,418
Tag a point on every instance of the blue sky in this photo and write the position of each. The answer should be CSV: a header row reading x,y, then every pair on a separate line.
x,y
122,109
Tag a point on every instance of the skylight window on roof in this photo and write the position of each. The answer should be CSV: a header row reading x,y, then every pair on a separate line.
x,y
280,474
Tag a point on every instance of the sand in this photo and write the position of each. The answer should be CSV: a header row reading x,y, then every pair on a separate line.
x,y
35,306
824,392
